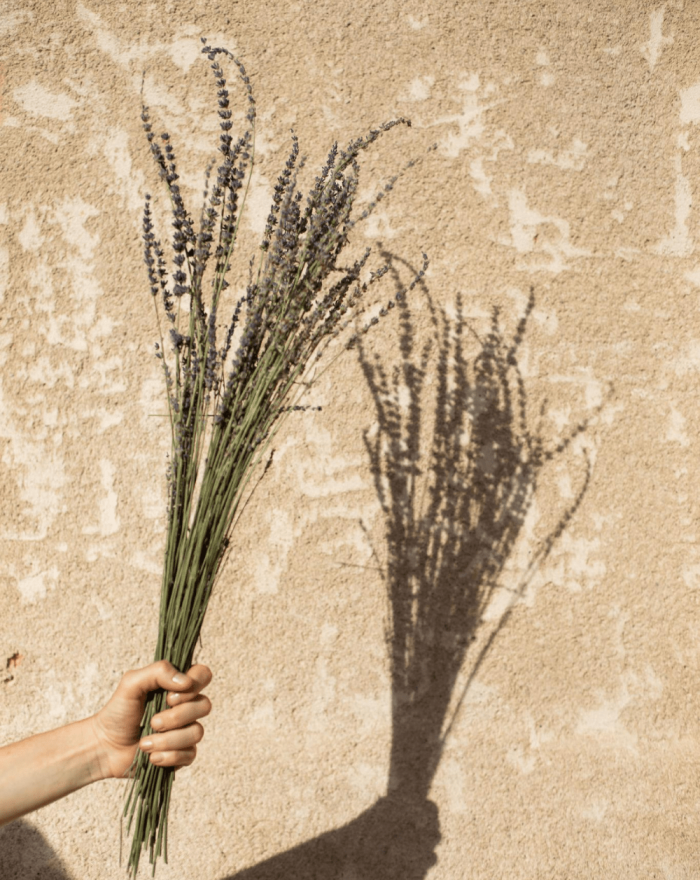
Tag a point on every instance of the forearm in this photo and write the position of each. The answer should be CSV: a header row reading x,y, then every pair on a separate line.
x,y
43,768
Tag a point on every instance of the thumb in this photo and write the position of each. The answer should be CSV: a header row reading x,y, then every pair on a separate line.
x,y
161,674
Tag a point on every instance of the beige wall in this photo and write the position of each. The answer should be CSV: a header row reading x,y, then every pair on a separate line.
x,y
567,159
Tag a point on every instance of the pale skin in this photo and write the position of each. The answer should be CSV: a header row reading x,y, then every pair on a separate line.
x,y
41,769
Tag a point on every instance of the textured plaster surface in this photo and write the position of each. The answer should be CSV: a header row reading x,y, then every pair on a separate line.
x,y
568,159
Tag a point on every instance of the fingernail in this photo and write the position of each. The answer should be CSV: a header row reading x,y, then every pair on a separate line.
x,y
146,744
174,698
180,679
156,722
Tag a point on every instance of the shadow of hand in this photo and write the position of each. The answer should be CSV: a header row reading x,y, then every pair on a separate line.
x,y
395,839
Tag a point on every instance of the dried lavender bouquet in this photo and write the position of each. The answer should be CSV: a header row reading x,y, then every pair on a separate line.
x,y
290,312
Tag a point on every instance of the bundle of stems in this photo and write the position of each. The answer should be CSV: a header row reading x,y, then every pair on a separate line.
x,y
290,312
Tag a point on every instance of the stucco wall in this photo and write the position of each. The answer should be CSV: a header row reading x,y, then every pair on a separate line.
x,y
567,160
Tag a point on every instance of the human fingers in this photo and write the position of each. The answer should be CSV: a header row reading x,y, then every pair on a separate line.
x,y
181,740
162,674
200,676
181,716
177,759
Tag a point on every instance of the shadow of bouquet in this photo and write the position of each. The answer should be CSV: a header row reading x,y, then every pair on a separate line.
x,y
452,518
451,527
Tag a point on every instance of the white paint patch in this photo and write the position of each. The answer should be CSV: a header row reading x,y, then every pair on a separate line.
x,y
323,690
627,253
621,618
262,716
565,489
593,389
675,432
546,76
547,320
452,778
102,367
378,225
420,88
560,417
572,567
154,403
114,146
572,159
30,235
652,50
33,587
677,243
13,20
36,99
271,566
317,474
517,757
525,759
109,520
329,634
403,397
39,473
258,202
89,678
691,576
596,809
152,502
373,714
102,327
693,276
72,214
143,561
109,43
690,104
185,51
369,780
605,724
653,687
107,506
54,706
157,96
469,121
525,235
103,610
417,24
689,361
4,270
538,735
482,183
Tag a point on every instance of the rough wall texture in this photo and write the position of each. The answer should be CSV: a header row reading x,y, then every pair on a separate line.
x,y
567,160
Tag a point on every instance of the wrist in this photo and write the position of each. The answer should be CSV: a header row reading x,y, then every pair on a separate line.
x,y
98,760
